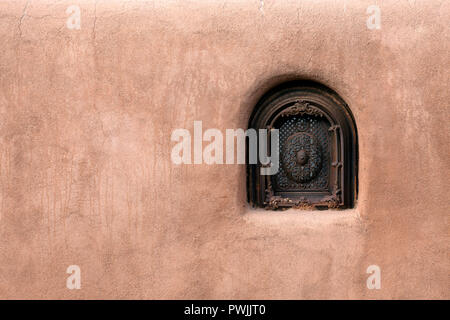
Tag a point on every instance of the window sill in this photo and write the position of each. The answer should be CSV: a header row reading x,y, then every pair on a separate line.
x,y
299,218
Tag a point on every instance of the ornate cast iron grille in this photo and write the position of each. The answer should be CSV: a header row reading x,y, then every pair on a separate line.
x,y
318,149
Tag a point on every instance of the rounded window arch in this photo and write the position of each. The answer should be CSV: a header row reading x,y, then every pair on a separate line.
x,y
318,149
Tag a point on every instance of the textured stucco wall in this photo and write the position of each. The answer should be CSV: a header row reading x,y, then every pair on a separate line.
x,y
85,171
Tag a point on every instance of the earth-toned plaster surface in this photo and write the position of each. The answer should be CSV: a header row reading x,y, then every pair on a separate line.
x,y
86,176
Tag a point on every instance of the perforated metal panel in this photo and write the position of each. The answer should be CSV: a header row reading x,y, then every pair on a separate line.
x,y
305,154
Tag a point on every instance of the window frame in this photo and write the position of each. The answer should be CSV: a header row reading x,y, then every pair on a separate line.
x,y
299,98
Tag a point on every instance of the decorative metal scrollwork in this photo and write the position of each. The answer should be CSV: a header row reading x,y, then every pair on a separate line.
x,y
301,107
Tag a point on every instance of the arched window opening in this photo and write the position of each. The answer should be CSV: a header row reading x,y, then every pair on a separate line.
x,y
317,149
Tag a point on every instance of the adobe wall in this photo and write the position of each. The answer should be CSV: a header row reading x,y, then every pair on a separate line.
x,y
86,176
